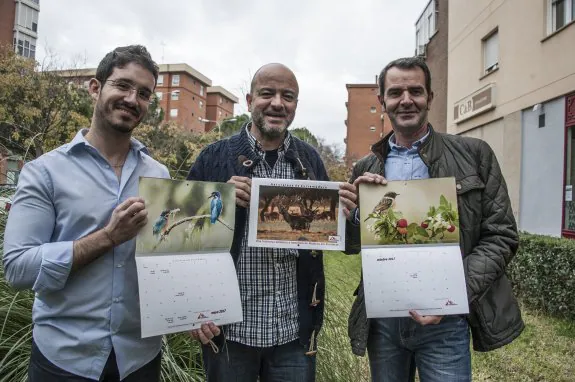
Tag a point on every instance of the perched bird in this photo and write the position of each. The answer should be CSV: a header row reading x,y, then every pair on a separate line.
x,y
216,206
387,202
161,223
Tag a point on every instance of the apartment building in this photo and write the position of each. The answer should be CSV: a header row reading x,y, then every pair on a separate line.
x,y
220,106
366,122
511,82
19,25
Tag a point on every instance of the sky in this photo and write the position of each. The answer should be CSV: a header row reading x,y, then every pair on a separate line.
x,y
327,43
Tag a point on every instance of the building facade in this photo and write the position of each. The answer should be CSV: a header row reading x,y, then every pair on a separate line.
x,y
220,106
431,38
19,25
511,82
182,92
366,122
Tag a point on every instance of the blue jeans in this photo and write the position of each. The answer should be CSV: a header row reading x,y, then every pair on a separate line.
x,y
241,363
440,352
42,370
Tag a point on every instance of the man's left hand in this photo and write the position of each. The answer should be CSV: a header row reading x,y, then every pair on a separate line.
x,y
425,320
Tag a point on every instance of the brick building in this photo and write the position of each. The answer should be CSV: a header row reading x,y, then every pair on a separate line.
x,y
183,93
19,25
431,37
220,106
366,123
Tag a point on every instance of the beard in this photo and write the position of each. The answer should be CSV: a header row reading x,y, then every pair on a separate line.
x,y
267,131
121,124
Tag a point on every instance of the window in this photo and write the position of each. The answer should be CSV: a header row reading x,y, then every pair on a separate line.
x,y
425,27
201,104
220,113
372,128
173,113
176,80
86,84
27,17
25,45
373,110
159,95
491,52
201,90
160,79
221,100
559,14
175,95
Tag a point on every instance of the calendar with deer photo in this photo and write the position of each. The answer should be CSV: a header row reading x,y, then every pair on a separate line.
x,y
299,214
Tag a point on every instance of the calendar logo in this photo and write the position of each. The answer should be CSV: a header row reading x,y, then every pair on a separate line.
x,y
333,239
202,316
450,303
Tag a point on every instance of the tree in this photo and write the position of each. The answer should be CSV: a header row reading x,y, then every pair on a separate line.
x,y
305,135
173,146
39,110
231,128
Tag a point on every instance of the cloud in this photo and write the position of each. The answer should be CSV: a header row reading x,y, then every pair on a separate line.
x,y
327,44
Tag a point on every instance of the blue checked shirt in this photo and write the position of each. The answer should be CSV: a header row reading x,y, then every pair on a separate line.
x,y
267,277
63,196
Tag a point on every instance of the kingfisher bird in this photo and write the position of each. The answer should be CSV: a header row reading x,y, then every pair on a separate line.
x,y
216,206
161,223
387,202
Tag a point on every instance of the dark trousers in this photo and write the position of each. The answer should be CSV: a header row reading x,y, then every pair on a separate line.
x,y
42,370
241,363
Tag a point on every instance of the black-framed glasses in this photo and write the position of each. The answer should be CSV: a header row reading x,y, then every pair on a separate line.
x,y
124,86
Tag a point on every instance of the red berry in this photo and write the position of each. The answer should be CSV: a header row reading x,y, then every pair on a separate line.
x,y
451,228
402,230
424,225
402,223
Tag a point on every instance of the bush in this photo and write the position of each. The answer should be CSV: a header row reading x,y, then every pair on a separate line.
x,y
543,274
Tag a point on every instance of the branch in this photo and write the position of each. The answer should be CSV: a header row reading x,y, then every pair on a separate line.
x,y
182,221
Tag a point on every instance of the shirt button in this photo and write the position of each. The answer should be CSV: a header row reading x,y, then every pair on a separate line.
x,y
458,186
278,293
119,265
116,299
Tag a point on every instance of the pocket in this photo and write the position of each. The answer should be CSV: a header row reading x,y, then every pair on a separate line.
x,y
469,201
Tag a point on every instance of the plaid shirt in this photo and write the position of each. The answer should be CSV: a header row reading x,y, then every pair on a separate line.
x,y
267,276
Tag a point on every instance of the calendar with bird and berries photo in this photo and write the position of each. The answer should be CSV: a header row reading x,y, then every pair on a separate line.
x,y
186,274
411,258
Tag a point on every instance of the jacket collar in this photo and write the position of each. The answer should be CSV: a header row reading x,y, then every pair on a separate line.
x,y
429,151
246,158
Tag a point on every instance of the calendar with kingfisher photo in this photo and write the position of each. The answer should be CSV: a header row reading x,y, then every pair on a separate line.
x,y
186,216
186,274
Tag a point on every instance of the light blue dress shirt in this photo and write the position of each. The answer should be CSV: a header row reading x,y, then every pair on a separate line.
x,y
404,163
63,196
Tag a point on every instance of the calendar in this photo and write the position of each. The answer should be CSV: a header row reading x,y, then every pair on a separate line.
x,y
411,259
186,274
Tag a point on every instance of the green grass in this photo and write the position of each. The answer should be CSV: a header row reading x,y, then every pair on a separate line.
x,y
544,352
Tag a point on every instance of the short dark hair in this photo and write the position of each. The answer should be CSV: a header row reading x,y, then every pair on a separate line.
x,y
122,56
405,63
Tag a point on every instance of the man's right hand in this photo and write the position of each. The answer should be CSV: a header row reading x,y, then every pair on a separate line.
x,y
205,333
127,220
243,190
349,193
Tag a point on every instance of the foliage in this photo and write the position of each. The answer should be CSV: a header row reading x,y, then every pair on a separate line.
x,y
232,127
543,274
305,135
439,220
38,108
174,147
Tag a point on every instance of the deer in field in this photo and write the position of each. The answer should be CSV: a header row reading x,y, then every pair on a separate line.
x,y
296,222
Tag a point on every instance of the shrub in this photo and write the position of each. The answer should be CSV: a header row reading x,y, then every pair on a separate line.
x,y
543,274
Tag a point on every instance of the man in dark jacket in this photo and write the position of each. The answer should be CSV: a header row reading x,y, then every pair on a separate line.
x,y
438,346
277,338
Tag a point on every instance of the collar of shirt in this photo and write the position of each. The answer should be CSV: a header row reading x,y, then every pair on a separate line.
x,y
257,147
80,140
395,147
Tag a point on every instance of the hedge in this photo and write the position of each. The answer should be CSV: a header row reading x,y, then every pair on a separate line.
x,y
543,274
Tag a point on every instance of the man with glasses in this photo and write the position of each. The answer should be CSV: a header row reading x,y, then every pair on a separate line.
x,y
70,236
